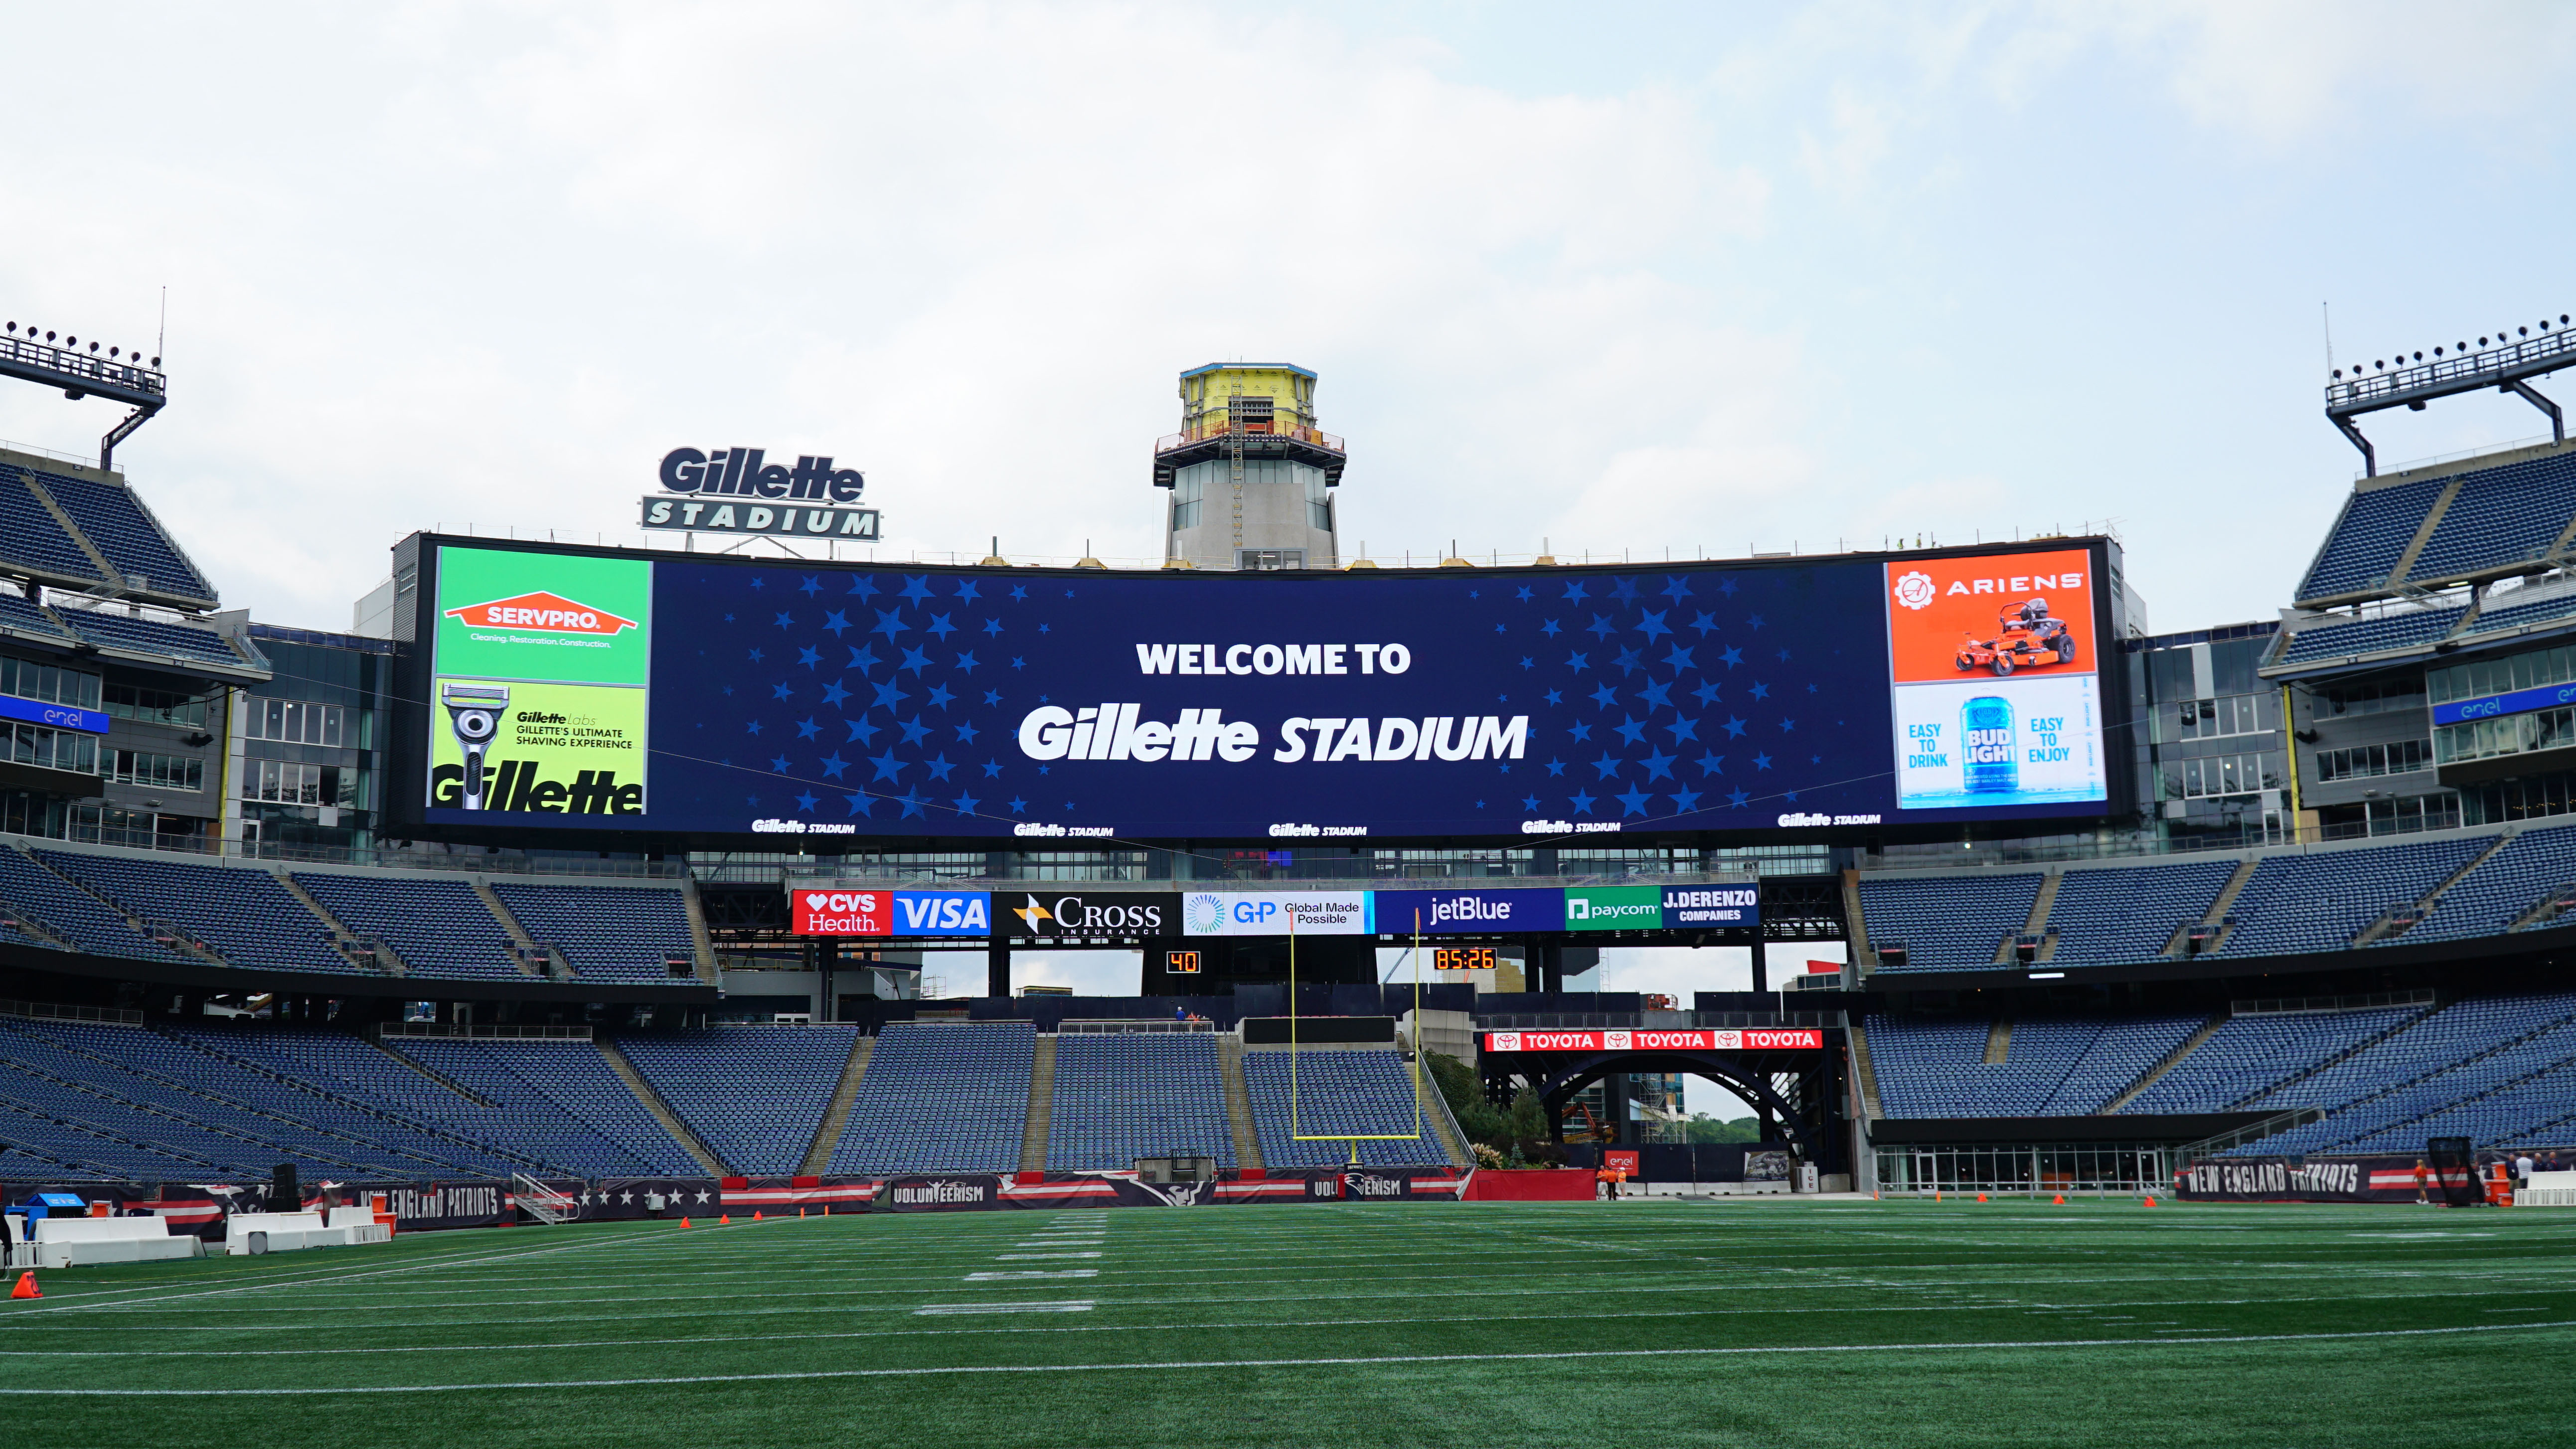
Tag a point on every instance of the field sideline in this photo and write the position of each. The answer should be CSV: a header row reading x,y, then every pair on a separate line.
x,y
1750,1322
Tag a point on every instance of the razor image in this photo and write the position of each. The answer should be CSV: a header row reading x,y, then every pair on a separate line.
x,y
474,711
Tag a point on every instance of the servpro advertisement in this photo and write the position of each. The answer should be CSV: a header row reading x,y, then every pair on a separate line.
x,y
542,666
1994,689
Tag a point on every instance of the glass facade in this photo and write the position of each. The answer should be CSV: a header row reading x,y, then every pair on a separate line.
x,y
2211,751
2126,1169
311,760
2502,674
51,683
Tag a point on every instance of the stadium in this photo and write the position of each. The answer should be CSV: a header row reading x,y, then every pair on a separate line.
x,y
610,985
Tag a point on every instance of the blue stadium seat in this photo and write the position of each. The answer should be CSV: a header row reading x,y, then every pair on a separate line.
x,y
1362,1093
2504,887
2321,900
948,1096
1128,1095
2250,1055
25,617
1947,923
439,928
118,526
563,1103
78,916
754,1094
2111,916
31,537
2368,538
151,636
2368,636
609,933
242,912
2501,516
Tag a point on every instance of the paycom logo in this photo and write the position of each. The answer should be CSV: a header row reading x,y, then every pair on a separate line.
x,y
1614,908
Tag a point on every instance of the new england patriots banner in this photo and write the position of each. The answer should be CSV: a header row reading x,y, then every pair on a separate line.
x,y
2316,1179
987,1192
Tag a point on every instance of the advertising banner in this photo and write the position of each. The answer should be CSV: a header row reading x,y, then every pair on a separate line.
x,y
1994,691
836,912
1614,908
1469,912
1088,913
1276,913
2291,1179
1800,1038
972,1192
1736,906
541,672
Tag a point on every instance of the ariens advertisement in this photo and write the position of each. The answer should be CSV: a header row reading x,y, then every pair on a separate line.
x,y
1058,710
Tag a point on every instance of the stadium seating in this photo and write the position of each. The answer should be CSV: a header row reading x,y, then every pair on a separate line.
x,y
941,1095
2363,547
2070,1066
1134,1094
2503,888
151,636
609,933
2510,615
1948,923
2252,1054
32,537
2444,1064
563,1103
2107,916
1363,1093
754,1094
25,617
2501,516
79,917
438,927
119,528
245,915
2321,900
2367,636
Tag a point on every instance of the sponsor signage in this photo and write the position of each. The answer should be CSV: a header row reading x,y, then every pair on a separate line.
x,y
542,668
1469,912
2520,701
1614,908
1277,913
1993,682
1799,1038
60,716
1092,913
836,912
1712,906
738,490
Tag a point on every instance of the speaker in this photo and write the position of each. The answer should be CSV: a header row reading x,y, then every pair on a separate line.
x,y
283,1195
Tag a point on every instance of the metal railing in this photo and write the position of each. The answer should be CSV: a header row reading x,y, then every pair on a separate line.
x,y
2271,1126
368,857
1314,437
1146,1026
2487,365
107,373
2283,840
483,1033
2295,1005
48,1011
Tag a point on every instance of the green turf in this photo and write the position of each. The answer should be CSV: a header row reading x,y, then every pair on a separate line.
x,y
1755,1322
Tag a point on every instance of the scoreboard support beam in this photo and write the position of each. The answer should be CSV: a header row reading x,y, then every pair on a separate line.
x,y
1761,968
997,968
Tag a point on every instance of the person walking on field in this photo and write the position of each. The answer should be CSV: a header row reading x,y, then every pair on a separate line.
x,y
2422,1175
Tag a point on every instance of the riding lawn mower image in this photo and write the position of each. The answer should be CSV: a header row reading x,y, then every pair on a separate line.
x,y
2025,638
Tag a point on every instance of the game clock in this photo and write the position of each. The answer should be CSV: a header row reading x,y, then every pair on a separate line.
x,y
1462,958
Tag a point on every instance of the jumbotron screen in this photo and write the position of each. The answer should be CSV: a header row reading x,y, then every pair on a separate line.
x,y
684,695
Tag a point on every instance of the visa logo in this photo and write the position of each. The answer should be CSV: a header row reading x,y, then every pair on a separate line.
x,y
920,913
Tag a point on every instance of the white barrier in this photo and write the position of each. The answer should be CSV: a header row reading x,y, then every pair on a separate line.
x,y
291,1232
80,1242
2548,1189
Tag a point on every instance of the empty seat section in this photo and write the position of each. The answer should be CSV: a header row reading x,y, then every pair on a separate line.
x,y
2503,889
1340,1094
243,913
2369,636
2123,1052
374,1083
2460,1053
24,617
2369,537
2501,516
2506,614
2250,1055
118,527
437,927
72,913
1135,1094
150,636
615,933
31,537
941,1095
1948,923
754,1094
2109,916
563,1101
2320,901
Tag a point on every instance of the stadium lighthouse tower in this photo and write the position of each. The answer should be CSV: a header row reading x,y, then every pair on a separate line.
x,y
1250,473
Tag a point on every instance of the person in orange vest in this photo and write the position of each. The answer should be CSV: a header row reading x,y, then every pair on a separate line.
x,y
2423,1175
1601,1188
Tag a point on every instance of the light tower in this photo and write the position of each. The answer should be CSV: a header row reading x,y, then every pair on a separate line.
x,y
1250,473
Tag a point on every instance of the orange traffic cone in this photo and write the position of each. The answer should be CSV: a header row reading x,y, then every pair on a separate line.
x,y
26,1287
1981,1197
800,1212
684,1222
726,1219
755,1215
2151,1200
2060,1199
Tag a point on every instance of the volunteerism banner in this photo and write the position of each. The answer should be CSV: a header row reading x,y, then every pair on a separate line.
x,y
541,694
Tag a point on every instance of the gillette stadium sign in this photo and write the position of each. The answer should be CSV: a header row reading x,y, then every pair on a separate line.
x,y
738,490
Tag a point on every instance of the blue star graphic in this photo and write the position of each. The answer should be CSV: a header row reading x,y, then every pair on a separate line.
x,y
864,658
1601,626
888,767
860,804
915,660
1628,661
1726,587
1784,656
1679,659
992,696
1711,764
861,732
966,732
1608,765
779,691
1634,801
1605,696
778,764
938,766
752,727
1624,591
1575,593
813,585
1582,802
1498,628
1550,629
1683,728
914,731
1706,693
1761,762
966,590
833,765
1676,587
808,729
1556,767
1656,696
992,769
1528,802
967,662
911,802
917,589
805,802
1581,733
1021,593
940,627
1788,725
1734,727
1553,697
1703,623
833,693
966,804
1659,766
1755,620
786,623
1018,663
755,656
1737,798
1631,729
1528,663
1685,801
1019,806
939,697
889,697
1731,657
863,586
1651,623
835,621
992,626
1761,691
810,658
889,623
1578,662
1524,597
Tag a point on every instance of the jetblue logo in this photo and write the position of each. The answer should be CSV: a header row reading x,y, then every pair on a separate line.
x,y
747,473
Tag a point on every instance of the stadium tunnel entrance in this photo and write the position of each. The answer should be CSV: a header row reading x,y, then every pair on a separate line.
x,y
1799,1095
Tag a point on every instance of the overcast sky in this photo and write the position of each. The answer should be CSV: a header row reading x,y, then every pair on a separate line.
x,y
1622,278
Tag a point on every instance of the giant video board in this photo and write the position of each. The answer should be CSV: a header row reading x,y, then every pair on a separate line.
x,y
686,696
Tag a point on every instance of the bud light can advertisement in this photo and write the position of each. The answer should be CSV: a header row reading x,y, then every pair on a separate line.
x,y
1992,683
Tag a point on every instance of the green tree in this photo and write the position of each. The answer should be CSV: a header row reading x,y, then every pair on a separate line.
x,y
1466,1098
1705,1128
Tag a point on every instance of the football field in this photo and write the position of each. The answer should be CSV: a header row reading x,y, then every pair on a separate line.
x,y
1778,1322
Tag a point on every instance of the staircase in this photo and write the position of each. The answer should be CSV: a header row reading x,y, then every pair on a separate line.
x,y
347,942
1444,1126
2216,915
2394,923
1868,1074
1041,1119
1238,1103
661,1110
1863,960
702,944
2171,1060
1998,1041
827,1137
526,954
